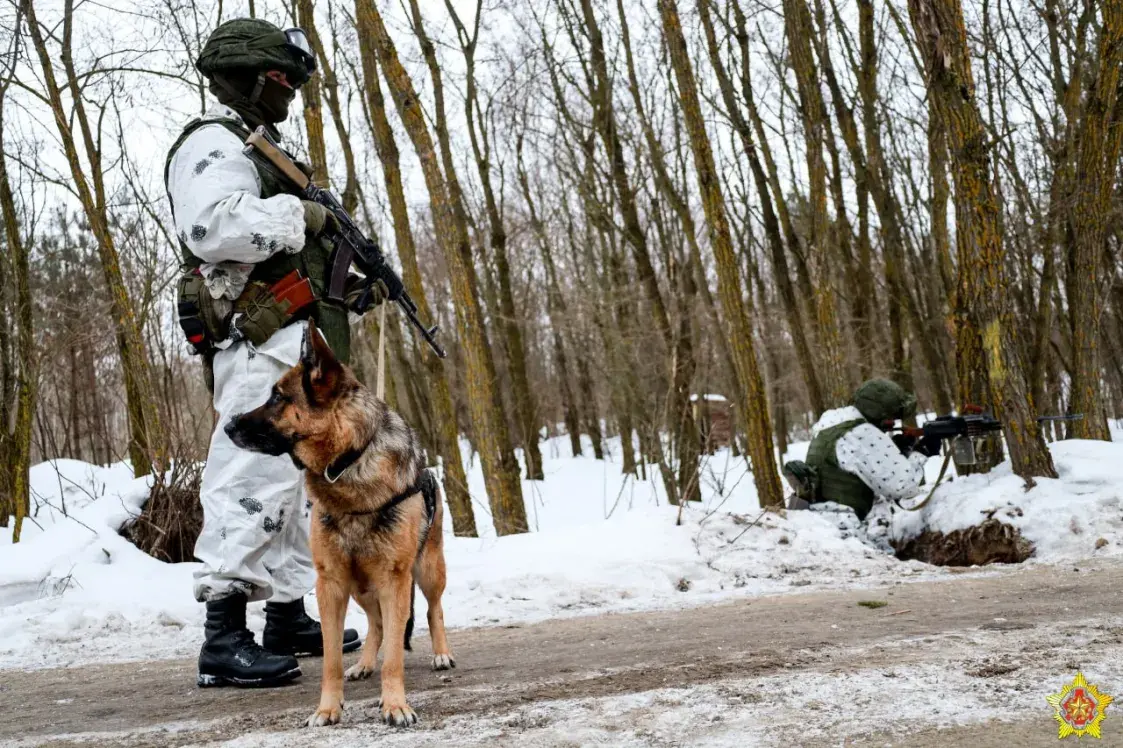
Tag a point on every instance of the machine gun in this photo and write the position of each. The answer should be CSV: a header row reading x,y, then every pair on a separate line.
x,y
963,430
351,246
971,425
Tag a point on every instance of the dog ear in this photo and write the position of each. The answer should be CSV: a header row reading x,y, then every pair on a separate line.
x,y
307,352
322,370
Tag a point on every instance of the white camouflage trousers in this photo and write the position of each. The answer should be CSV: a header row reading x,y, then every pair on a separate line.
x,y
255,516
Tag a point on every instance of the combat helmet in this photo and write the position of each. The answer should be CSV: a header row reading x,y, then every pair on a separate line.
x,y
256,44
880,400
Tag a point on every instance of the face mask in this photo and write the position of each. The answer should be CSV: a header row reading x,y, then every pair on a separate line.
x,y
274,101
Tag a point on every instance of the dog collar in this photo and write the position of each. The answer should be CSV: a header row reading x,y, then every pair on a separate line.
x,y
340,465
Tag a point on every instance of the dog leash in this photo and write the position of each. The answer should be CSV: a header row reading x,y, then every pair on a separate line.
x,y
380,379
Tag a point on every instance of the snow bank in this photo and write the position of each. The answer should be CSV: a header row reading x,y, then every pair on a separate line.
x,y
1077,515
73,589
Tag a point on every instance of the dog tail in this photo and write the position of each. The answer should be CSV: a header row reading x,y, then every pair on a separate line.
x,y
409,623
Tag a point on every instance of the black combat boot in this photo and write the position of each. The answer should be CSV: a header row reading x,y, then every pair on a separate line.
x,y
290,631
231,657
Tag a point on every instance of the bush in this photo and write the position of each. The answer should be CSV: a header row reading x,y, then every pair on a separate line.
x,y
172,518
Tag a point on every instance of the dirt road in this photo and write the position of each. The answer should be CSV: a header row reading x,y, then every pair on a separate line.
x,y
503,670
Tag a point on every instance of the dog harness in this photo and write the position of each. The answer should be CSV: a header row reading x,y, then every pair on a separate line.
x,y
426,485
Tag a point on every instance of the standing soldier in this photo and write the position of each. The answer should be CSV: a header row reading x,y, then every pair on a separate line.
x,y
256,257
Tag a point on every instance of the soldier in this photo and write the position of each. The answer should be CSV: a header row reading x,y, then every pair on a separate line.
x,y
853,460
255,261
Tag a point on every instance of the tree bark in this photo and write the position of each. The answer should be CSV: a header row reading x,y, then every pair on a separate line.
x,y
526,407
1097,166
17,454
772,229
313,107
683,428
800,32
349,197
604,120
754,405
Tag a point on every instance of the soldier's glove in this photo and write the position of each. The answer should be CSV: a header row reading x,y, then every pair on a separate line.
x,y
318,219
905,442
361,294
928,445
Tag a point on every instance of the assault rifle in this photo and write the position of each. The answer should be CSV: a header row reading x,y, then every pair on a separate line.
x,y
351,246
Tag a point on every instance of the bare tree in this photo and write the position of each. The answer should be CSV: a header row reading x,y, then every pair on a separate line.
x,y
489,429
148,443
988,348
754,406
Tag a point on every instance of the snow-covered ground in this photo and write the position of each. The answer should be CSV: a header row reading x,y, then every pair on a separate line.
x,y
73,591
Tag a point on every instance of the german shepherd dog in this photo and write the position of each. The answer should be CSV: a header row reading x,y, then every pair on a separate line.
x,y
376,518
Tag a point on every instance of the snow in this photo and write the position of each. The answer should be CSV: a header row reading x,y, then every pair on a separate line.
x,y
1064,517
74,592
709,398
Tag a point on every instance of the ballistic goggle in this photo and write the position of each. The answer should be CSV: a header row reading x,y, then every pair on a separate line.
x,y
297,42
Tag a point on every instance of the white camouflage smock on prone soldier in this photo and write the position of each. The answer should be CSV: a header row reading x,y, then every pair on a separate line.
x,y
255,516
869,453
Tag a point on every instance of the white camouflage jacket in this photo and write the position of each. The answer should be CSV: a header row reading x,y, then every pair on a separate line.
x,y
869,453
219,213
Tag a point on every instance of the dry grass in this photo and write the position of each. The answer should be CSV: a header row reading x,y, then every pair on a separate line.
x,y
171,520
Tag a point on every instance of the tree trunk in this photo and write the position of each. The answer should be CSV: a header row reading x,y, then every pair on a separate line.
x,y
555,307
754,405
18,445
683,429
148,443
349,197
772,231
313,108
604,120
526,407
1097,166
500,468
984,296
444,413
800,32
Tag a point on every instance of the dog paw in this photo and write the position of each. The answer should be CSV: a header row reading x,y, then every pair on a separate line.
x,y
359,671
443,662
325,716
399,715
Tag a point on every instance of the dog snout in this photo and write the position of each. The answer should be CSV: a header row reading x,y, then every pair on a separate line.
x,y
251,431
232,431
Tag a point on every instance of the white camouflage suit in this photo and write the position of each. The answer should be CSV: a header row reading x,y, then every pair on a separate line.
x,y
869,453
255,517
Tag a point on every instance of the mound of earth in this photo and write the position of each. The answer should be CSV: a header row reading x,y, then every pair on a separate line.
x,y
991,542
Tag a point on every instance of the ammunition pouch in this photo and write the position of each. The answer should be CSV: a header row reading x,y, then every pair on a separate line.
x,y
260,311
263,309
804,481
202,322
